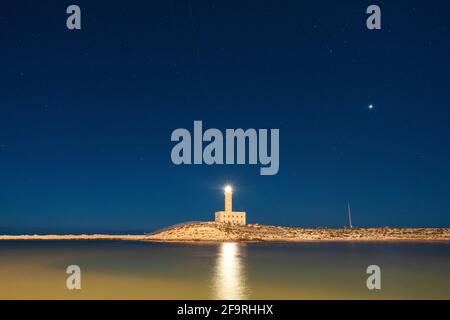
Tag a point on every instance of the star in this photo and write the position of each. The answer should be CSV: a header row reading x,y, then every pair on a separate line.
x,y
371,106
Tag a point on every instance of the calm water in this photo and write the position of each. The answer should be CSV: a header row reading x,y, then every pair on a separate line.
x,y
137,270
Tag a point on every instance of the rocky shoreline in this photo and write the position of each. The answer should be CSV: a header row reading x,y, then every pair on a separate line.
x,y
220,232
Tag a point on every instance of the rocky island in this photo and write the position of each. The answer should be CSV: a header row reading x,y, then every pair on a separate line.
x,y
223,232
231,226
214,231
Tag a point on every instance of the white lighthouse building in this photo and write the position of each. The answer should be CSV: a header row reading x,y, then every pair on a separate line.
x,y
230,216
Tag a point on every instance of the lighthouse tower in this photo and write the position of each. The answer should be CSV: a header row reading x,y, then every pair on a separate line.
x,y
228,215
228,199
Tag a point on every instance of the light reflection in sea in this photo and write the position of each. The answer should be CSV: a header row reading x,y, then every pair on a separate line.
x,y
229,274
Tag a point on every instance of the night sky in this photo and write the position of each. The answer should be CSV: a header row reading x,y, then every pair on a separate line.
x,y
86,116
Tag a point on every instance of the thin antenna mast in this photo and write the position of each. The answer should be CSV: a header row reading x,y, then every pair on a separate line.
x,y
349,215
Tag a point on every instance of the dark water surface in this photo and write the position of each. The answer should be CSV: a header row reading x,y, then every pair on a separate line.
x,y
139,270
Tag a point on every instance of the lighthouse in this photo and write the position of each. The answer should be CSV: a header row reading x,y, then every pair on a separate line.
x,y
228,199
228,215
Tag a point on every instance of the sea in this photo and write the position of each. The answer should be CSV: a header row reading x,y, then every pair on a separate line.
x,y
148,270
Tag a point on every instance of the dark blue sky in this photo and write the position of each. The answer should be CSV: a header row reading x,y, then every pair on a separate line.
x,y
86,116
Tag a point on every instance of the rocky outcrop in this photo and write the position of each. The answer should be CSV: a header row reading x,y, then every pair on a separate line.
x,y
214,231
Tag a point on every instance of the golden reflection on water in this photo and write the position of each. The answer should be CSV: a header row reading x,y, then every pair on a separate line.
x,y
128,270
229,273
